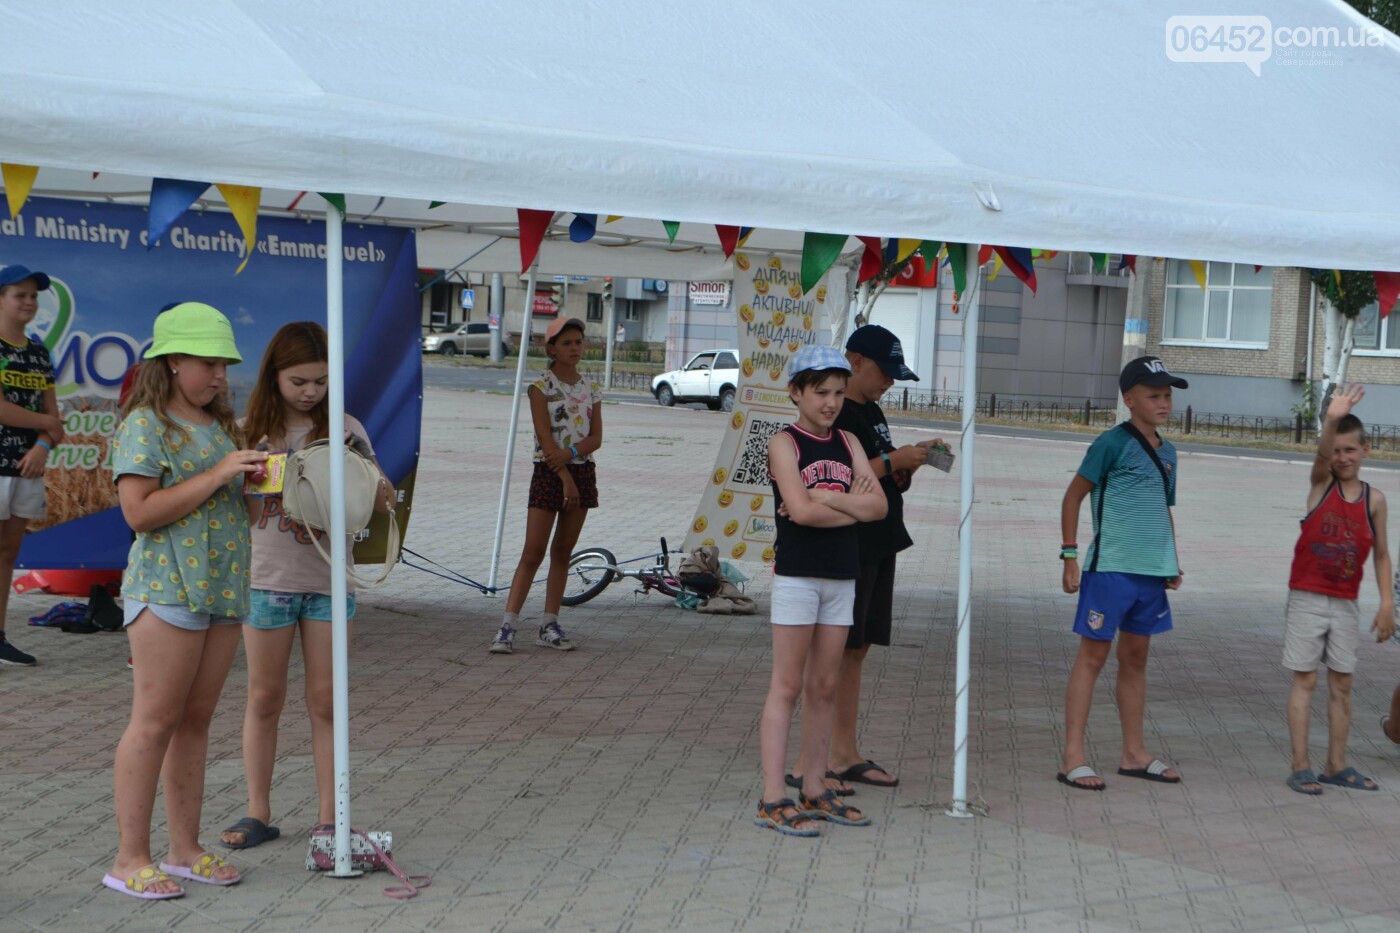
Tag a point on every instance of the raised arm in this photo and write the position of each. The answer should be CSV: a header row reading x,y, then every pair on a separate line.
x,y
1341,405
1384,625
799,505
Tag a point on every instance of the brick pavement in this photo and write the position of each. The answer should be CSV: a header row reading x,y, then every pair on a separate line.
x,y
611,788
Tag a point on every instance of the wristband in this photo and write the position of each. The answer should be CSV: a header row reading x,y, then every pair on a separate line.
x,y
1069,553
574,450
44,444
889,467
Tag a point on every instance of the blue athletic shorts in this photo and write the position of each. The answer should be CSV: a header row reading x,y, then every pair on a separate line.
x,y
274,610
1132,602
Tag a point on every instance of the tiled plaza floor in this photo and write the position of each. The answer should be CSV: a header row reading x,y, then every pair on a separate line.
x,y
612,788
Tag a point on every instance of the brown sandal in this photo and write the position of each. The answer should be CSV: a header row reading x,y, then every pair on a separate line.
x,y
784,816
829,807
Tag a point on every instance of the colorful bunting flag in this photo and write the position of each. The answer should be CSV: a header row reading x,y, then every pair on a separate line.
x,y
929,250
1100,262
871,261
906,249
819,251
170,198
672,228
984,255
583,227
433,204
1387,290
612,217
1018,260
996,267
533,225
728,238
336,201
744,234
957,258
1130,261
243,202
1198,269
19,179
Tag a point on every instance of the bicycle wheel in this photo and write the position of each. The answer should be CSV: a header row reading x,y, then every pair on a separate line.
x,y
590,572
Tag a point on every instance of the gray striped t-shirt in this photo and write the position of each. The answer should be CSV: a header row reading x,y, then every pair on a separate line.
x,y
1132,524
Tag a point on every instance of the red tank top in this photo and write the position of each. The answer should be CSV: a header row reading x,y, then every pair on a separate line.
x,y
1334,544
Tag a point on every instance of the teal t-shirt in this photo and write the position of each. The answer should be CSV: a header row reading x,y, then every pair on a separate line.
x,y
1132,524
200,561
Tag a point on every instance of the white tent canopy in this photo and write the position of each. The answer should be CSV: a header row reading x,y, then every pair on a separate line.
x,y
880,119
1039,123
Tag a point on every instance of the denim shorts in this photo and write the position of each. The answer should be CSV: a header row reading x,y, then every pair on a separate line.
x,y
178,616
273,610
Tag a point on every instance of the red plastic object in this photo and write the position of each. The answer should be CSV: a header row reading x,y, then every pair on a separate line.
x,y
67,582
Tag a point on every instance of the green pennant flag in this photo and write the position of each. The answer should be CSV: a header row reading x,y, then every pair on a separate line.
x,y
1100,262
336,199
819,251
929,250
672,228
433,204
957,257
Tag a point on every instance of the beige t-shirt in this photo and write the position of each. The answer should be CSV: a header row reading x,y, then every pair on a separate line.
x,y
284,559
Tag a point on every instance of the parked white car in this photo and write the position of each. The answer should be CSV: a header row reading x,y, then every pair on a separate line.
x,y
710,377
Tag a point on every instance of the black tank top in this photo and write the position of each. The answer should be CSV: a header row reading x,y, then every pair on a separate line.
x,y
803,551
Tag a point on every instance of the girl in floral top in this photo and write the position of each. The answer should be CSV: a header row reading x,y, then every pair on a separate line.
x,y
567,411
179,474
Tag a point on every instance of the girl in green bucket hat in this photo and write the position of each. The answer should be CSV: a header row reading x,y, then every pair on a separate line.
x,y
179,471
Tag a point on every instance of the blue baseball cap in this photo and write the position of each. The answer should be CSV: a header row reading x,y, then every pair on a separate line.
x,y
817,356
881,347
13,275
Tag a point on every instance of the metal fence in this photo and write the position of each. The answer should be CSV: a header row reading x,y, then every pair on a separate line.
x,y
1102,413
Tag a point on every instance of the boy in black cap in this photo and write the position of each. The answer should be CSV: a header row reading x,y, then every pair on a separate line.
x,y
1131,472
877,360
30,427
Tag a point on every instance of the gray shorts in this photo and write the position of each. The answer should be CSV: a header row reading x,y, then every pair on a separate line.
x,y
178,616
1319,629
23,498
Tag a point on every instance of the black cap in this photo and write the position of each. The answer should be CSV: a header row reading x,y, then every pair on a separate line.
x,y
881,347
1148,371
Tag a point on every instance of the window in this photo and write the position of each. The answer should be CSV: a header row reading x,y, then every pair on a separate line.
x,y
595,307
726,361
1376,334
1231,311
632,312
701,361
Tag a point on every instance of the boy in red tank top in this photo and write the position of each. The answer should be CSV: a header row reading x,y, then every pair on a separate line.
x,y
1345,522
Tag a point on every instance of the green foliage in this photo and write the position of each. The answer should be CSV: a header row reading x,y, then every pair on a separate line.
x,y
1383,12
1356,290
1307,405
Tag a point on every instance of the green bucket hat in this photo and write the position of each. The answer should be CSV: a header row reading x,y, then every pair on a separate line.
x,y
196,329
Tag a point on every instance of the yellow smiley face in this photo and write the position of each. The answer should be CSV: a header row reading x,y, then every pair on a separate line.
x,y
768,554
775,373
779,319
725,499
708,542
738,420
807,321
794,291
738,550
755,503
760,286
793,345
746,314
747,368
719,475
741,261
730,527
763,341
821,294
774,262
701,523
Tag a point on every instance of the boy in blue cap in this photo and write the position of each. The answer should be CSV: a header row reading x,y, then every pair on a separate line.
x,y
1130,470
30,427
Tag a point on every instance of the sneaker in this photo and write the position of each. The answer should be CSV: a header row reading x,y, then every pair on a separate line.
x,y
504,642
9,654
552,636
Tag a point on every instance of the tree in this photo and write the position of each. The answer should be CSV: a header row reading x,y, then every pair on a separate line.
x,y
1345,294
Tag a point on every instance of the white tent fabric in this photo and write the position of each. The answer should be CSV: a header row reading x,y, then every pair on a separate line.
x,y
878,119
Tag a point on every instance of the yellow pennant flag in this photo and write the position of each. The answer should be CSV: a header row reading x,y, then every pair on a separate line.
x,y
906,249
612,217
1198,269
996,267
243,201
18,180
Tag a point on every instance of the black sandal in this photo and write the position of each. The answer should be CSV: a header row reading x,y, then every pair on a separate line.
x,y
255,833
784,815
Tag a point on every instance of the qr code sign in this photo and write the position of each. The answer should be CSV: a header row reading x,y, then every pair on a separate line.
x,y
752,466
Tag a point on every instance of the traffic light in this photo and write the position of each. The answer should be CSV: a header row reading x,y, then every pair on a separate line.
x,y
556,294
607,291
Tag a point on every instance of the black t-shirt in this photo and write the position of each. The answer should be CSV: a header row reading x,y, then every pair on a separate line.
x,y
887,536
26,373
804,551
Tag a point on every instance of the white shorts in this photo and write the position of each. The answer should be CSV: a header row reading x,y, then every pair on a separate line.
x,y
23,498
1320,628
813,600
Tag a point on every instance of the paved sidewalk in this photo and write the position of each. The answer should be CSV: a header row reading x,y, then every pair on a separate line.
x,y
612,788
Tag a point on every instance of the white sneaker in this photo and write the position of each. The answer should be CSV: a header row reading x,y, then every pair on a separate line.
x,y
504,642
552,636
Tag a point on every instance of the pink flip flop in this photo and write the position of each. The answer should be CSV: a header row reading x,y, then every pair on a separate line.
x,y
137,885
202,871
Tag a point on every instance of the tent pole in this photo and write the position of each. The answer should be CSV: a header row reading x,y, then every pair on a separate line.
x,y
609,340
340,642
968,449
514,421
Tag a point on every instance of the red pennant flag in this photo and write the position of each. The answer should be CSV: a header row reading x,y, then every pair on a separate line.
x,y
871,261
1130,261
984,255
1019,261
533,225
1257,268
1387,289
728,238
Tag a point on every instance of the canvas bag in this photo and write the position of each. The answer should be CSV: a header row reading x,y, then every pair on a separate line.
x,y
306,494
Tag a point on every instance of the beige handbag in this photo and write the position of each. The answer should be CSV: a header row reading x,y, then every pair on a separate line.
x,y
306,495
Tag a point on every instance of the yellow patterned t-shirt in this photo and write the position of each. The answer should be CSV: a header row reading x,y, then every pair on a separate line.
x,y
200,561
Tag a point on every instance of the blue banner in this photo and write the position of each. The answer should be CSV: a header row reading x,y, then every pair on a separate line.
x,y
107,289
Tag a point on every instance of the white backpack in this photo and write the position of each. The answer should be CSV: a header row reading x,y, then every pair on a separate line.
x,y
306,495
